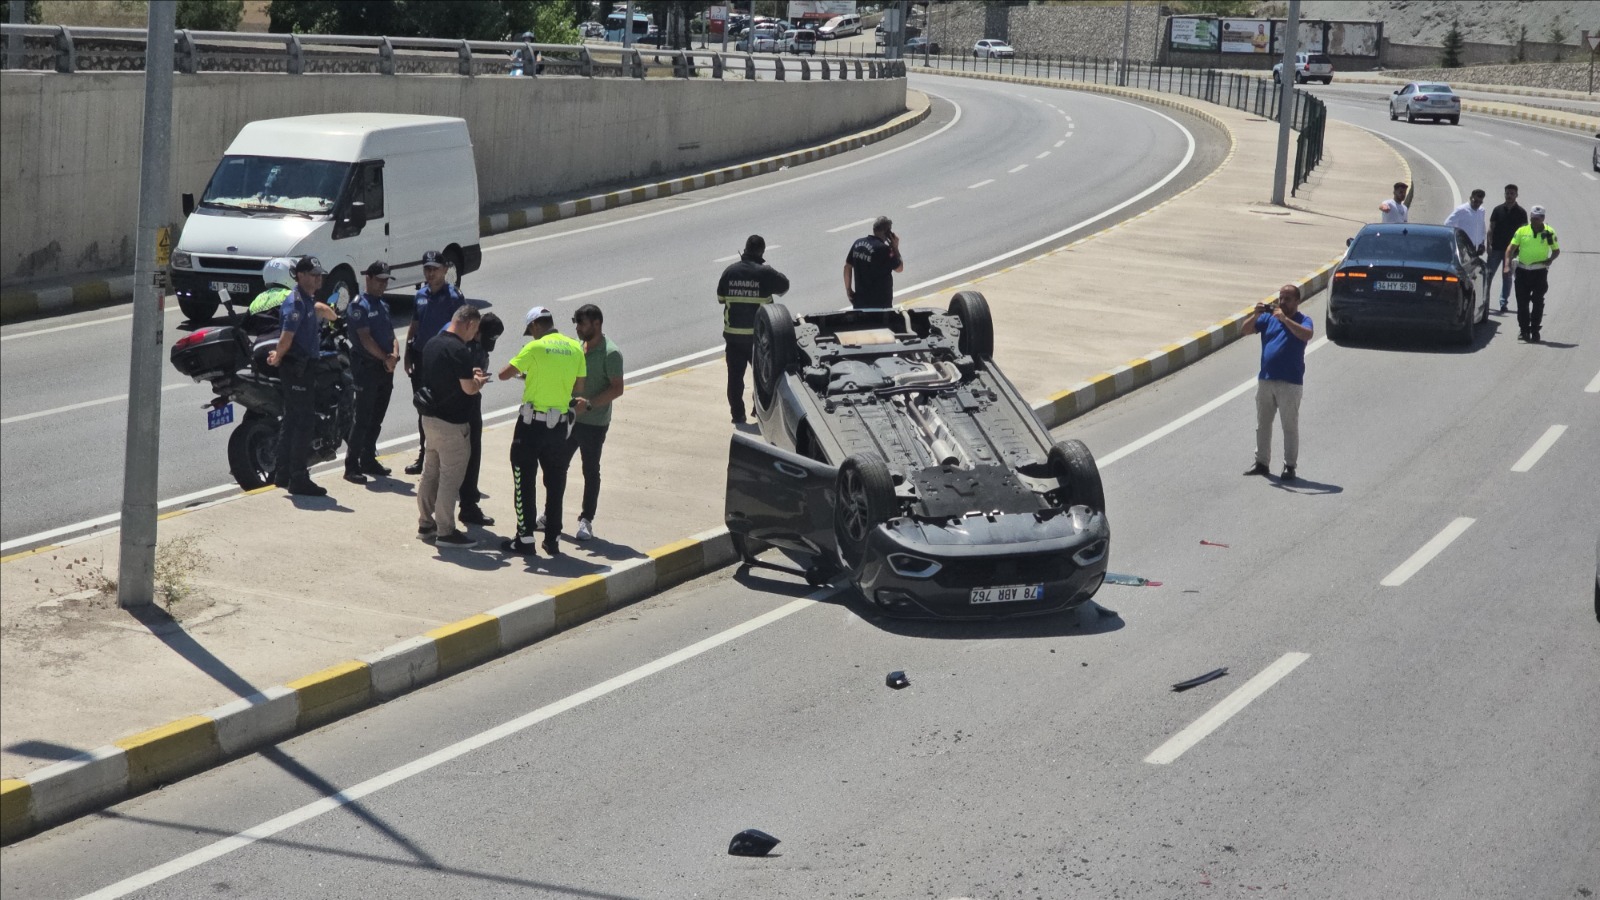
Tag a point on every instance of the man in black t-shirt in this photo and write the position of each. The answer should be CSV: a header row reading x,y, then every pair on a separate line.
x,y
873,260
450,381
1504,220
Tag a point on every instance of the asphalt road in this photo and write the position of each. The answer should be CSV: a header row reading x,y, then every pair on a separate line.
x,y
1393,722
993,171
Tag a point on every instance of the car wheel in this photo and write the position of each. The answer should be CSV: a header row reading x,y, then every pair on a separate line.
x,y
1336,332
774,350
1074,467
253,452
198,309
1392,114
1328,80
977,326
1455,120
1467,332
865,501
1483,316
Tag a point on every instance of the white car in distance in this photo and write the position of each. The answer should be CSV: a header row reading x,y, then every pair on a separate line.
x,y
991,48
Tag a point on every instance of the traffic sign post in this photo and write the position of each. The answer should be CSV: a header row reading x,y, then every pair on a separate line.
x,y
1593,40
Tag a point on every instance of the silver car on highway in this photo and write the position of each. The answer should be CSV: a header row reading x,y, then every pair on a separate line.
x,y
1425,100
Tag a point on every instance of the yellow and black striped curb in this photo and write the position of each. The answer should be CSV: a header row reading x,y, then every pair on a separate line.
x,y
1530,115
79,295
160,756
1548,94
499,223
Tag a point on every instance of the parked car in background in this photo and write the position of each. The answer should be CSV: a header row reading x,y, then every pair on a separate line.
x,y
1307,67
766,38
989,47
800,40
1422,277
920,44
592,30
1425,100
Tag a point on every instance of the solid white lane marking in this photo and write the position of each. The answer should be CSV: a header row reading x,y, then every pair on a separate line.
x,y
1429,550
1526,461
1593,386
856,224
1538,151
1060,142
312,810
601,290
1564,163
1043,155
84,405
1455,189
1230,706
980,184
925,202
54,328
1017,169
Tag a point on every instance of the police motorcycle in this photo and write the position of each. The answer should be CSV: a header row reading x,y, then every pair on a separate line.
x,y
519,58
234,359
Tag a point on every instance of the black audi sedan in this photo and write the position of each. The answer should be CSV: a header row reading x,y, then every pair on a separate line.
x,y
895,456
1410,277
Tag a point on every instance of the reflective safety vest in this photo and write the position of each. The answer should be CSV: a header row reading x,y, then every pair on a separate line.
x,y
269,299
744,288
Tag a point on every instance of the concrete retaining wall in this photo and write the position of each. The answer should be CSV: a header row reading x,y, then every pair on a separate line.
x,y
1065,30
69,144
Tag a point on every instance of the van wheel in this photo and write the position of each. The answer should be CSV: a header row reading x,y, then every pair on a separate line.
x,y
1075,469
343,280
452,257
774,350
253,452
977,325
197,309
865,501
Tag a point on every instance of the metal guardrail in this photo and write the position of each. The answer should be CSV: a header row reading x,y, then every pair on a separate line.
x,y
69,50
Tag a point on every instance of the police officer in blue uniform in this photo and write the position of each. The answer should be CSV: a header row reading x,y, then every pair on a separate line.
x,y
374,354
295,358
437,301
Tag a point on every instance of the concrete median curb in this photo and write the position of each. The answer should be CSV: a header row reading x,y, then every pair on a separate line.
x,y
162,755
1556,120
90,294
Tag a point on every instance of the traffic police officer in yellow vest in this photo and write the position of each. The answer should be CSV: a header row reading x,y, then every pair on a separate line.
x,y
553,367
1533,248
278,276
744,288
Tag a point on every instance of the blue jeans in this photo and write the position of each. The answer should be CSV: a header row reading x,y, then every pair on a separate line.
x,y
1496,262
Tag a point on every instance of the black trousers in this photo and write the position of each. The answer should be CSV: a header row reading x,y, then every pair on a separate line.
x,y
739,353
374,388
297,376
1531,285
469,483
537,448
586,443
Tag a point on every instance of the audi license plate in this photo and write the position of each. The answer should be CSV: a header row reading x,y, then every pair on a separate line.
x,y
1396,286
216,418
232,287
1010,593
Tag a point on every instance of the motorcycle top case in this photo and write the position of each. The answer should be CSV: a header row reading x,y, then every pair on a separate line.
x,y
211,353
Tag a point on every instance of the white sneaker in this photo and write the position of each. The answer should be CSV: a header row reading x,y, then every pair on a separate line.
x,y
585,530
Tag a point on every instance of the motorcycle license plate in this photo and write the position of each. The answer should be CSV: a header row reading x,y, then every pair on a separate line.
x,y
232,287
216,418
1007,594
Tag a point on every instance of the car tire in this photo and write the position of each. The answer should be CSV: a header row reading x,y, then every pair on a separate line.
x,y
865,500
1411,117
1074,467
1455,120
253,452
1393,116
1467,332
1328,80
199,309
774,350
1336,333
977,325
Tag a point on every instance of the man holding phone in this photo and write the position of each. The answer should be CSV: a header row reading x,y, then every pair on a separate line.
x,y
1284,331
872,261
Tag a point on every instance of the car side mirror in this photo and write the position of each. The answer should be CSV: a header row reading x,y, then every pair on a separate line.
x,y
357,217
1396,93
188,204
1348,241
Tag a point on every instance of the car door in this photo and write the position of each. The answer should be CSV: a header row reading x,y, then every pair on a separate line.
x,y
780,498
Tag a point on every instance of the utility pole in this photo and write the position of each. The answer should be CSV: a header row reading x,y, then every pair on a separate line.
x,y
627,26
19,16
141,465
1127,26
1286,72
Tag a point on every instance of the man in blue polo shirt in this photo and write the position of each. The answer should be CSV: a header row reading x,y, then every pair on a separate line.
x,y
295,358
1284,331
374,353
437,301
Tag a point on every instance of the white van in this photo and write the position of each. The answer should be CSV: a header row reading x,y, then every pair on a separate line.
x,y
840,26
348,188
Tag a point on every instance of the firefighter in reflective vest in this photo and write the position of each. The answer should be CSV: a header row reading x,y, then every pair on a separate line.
x,y
744,288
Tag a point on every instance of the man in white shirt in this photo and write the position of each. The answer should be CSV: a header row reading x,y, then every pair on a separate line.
x,y
1394,209
1469,219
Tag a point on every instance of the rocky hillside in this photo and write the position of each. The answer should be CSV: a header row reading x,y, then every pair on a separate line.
x,y
1486,21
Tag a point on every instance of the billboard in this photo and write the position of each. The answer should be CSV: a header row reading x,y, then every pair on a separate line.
x,y
1246,36
1194,34
1310,37
798,8
1353,38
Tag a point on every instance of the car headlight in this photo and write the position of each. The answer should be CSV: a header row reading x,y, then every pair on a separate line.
x,y
182,260
908,566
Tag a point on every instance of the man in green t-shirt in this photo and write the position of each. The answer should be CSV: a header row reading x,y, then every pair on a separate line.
x,y
552,366
602,383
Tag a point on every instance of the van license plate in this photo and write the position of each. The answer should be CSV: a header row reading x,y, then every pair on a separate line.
x,y
216,418
232,287
1007,594
1396,286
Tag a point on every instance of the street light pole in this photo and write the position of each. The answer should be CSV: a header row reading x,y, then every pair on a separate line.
x,y
141,466
19,16
1127,26
1285,103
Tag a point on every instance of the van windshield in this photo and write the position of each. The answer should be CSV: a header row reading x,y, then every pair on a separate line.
x,y
276,184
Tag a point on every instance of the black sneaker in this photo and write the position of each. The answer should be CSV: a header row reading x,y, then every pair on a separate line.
x,y
427,530
1522,336
415,468
373,467
517,545
1288,474
1534,338
455,540
1258,469
551,547
354,477
474,516
305,487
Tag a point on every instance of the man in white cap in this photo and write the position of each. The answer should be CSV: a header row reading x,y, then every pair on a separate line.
x,y
1533,248
552,366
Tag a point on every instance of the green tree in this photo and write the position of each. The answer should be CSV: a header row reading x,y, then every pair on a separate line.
x,y
555,23
1221,8
30,14
210,15
484,20
1453,45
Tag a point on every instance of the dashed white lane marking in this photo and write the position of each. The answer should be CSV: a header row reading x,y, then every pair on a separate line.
x,y
1565,163
1484,133
1060,142
1510,141
1538,449
980,184
1042,155
723,259
1068,118
925,202
84,405
1593,386
1540,152
1429,550
1227,709
1590,176
322,806
856,224
1017,169
601,290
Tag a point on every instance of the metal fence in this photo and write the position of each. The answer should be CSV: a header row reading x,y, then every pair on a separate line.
x,y
1259,96
69,50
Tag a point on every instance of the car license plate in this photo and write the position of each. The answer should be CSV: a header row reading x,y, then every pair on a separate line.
x,y
1008,593
1396,286
232,287
216,418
